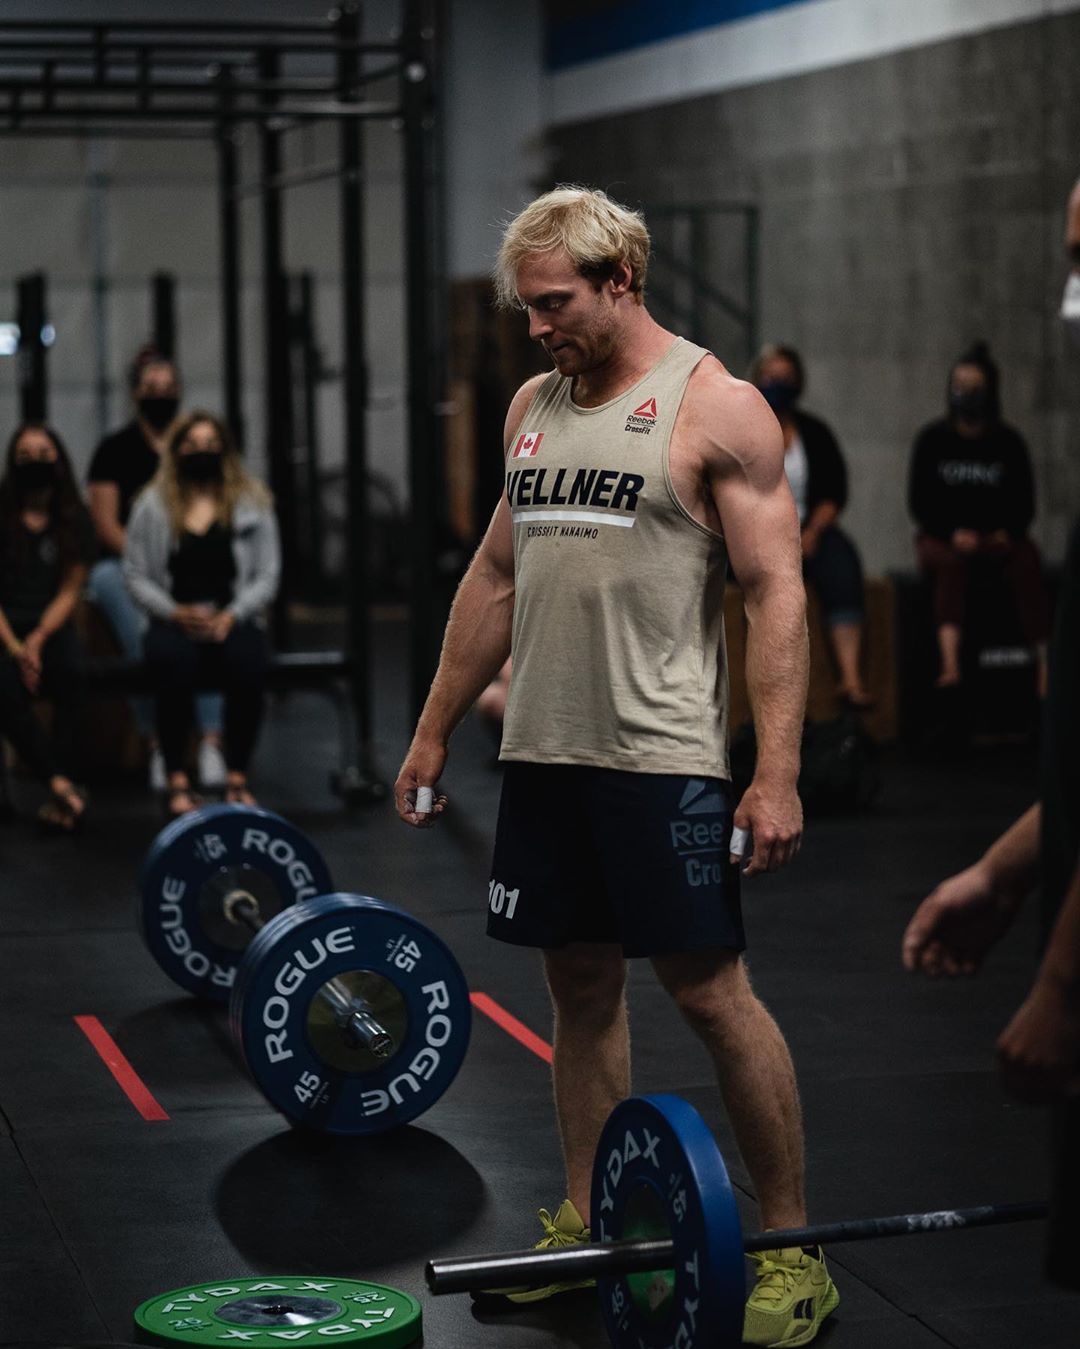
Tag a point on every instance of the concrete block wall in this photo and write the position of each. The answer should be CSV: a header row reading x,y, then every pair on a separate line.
x,y
909,203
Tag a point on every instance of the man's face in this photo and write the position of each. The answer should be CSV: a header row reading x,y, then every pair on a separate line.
x,y
573,320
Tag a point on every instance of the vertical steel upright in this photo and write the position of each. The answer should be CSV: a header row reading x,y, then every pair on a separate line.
x,y
229,244
363,784
307,374
425,460
278,400
163,312
30,316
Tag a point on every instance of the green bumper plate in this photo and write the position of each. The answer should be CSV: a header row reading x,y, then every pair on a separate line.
x,y
282,1310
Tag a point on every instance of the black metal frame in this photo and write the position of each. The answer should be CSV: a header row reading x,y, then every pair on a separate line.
x,y
183,79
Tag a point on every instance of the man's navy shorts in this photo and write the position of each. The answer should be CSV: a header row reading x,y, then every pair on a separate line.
x,y
594,854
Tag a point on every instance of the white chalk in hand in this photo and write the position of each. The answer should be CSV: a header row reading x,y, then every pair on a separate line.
x,y
425,801
739,840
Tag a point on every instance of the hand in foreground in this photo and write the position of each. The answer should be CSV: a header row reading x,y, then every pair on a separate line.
x,y
1039,1050
957,924
773,815
423,767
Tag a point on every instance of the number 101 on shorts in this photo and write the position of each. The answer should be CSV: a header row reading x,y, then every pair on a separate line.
x,y
499,898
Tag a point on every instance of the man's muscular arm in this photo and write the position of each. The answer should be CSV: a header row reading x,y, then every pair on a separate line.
x,y
761,530
475,645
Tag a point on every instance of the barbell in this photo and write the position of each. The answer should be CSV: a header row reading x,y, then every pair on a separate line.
x,y
669,1261
352,1016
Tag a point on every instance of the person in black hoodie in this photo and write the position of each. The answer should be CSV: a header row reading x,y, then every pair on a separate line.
x,y
818,478
971,493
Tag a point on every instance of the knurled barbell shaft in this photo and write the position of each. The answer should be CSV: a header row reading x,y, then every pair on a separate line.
x,y
609,1259
352,1013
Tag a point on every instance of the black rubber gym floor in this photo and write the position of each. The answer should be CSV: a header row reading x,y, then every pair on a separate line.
x,y
103,1208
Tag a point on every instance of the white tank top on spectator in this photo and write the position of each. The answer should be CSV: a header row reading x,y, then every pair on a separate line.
x,y
797,468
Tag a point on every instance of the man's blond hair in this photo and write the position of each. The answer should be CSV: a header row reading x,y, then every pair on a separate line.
x,y
596,232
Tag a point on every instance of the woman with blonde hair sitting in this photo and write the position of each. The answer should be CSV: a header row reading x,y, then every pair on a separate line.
x,y
203,558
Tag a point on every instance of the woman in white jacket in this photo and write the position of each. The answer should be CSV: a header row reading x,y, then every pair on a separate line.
x,y
203,558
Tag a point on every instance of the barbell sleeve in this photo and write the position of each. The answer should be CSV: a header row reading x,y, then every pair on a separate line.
x,y
609,1259
353,1014
590,1260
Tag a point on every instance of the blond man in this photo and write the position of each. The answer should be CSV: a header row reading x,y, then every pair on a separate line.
x,y
635,472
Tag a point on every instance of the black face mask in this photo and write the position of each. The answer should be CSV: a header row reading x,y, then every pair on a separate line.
x,y
970,406
780,397
204,466
157,412
34,476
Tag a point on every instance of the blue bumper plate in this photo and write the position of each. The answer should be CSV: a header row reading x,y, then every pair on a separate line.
x,y
286,1006
659,1174
194,864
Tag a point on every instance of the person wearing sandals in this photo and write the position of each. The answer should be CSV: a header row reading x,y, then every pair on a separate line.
x,y
122,465
46,546
202,558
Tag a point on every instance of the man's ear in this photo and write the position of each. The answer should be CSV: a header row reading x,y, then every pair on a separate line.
x,y
621,279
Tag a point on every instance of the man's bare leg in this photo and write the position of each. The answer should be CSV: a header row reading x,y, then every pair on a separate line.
x,y
754,1068
591,1064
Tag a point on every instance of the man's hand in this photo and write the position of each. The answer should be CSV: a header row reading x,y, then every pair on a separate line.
x,y
772,813
965,540
1039,1050
958,923
423,767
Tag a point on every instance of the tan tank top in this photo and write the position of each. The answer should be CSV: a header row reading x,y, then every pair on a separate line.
x,y
618,639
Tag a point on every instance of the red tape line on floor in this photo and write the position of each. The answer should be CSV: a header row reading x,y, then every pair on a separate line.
x,y
511,1025
134,1088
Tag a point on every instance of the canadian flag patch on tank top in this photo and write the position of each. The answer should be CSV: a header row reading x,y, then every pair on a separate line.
x,y
527,444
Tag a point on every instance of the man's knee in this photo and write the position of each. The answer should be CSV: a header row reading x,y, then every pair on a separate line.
x,y
714,996
586,978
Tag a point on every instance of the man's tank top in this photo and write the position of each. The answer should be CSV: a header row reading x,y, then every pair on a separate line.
x,y
618,638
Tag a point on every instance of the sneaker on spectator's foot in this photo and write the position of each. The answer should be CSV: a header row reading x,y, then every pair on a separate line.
x,y
156,774
211,765
792,1295
565,1229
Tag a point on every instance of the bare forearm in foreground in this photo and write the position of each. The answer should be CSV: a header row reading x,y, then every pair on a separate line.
x,y
1012,861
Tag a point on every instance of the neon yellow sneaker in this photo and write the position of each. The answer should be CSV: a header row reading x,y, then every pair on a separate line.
x,y
565,1229
792,1295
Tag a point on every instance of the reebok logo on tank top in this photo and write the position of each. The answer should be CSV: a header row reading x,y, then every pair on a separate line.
x,y
642,420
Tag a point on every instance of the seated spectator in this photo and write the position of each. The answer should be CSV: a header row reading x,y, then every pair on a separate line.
x,y
202,559
46,545
970,492
122,465
818,478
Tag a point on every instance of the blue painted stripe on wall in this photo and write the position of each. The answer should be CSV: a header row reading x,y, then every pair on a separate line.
x,y
635,23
